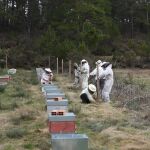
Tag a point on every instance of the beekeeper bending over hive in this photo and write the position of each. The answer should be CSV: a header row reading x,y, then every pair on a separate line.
x,y
47,76
89,94
84,70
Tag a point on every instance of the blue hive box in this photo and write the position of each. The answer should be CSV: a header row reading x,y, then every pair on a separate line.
x,y
47,87
54,95
57,105
53,91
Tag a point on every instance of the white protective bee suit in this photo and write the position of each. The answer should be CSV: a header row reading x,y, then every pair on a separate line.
x,y
47,76
107,73
100,69
76,75
84,74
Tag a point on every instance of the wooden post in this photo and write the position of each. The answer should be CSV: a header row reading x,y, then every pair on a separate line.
x,y
57,65
49,61
62,65
147,14
70,68
6,61
98,88
80,75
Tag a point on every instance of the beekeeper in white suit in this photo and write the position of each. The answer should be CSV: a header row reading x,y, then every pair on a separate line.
x,y
99,68
47,76
107,75
76,75
105,78
84,70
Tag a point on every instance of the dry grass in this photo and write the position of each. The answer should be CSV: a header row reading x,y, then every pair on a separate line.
x,y
108,127
29,116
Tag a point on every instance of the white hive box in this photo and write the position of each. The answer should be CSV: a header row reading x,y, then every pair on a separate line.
x,y
69,142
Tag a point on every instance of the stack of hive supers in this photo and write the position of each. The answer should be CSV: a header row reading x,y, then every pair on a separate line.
x,y
61,123
4,78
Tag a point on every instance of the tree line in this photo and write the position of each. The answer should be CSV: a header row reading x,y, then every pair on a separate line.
x,y
64,28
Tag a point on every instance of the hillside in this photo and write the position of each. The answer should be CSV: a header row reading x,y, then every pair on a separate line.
x,y
32,31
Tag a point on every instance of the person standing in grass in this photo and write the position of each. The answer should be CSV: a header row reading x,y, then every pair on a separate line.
x,y
84,74
47,76
107,76
94,72
76,75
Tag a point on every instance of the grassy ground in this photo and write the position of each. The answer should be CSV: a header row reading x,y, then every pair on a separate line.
x,y
108,127
23,120
22,117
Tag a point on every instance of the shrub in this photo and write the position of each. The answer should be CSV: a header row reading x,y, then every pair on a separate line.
x,y
23,114
143,49
2,88
98,126
27,114
31,79
3,71
64,48
8,106
129,79
1,136
20,92
15,133
129,58
142,85
28,146
14,105
16,120
0,105
9,147
137,102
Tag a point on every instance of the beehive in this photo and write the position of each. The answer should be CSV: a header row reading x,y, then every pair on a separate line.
x,y
5,78
54,95
69,142
48,87
61,123
53,90
57,105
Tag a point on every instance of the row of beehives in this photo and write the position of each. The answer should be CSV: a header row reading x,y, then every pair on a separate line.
x,y
4,80
61,123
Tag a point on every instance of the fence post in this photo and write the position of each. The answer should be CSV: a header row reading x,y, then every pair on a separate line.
x,y
98,88
49,61
62,65
57,65
70,68
6,61
80,75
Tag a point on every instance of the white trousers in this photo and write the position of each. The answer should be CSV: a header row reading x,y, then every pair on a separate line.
x,y
107,89
84,81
